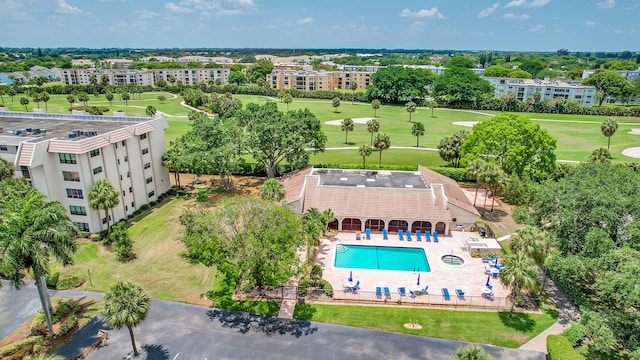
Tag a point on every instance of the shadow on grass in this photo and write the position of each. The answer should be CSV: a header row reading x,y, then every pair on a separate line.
x,y
269,325
519,321
156,352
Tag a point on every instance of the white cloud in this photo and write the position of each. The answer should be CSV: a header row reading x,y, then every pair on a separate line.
x,y
537,28
64,8
219,7
488,11
375,28
525,3
307,20
146,14
513,16
607,4
418,24
177,8
423,13
590,23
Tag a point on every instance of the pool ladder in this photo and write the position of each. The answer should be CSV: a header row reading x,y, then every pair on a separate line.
x,y
340,247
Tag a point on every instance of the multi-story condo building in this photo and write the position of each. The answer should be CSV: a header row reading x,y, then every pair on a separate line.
x,y
145,77
629,74
64,155
117,63
317,80
548,89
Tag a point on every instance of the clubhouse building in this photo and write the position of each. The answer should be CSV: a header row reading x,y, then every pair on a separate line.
x,y
63,155
393,200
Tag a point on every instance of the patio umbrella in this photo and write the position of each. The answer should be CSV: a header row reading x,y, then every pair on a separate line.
x,y
496,261
488,278
350,279
418,279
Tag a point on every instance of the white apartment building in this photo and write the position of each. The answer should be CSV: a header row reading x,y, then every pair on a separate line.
x,y
64,155
549,89
629,74
144,77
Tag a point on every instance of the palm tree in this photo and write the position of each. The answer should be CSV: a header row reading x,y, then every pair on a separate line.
x,y
364,151
609,128
353,86
432,104
375,105
150,110
84,98
287,98
71,99
272,190
347,125
417,130
471,352
125,304
373,126
496,180
411,108
6,169
24,101
37,98
2,92
519,274
536,97
536,244
104,196
31,230
474,170
44,96
382,142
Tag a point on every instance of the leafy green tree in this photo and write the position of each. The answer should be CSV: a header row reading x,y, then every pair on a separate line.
x,y
125,96
24,101
496,71
365,152
519,274
109,97
122,242
162,98
150,111
103,196
450,147
353,85
37,99
31,230
610,82
475,169
373,126
11,92
335,102
495,178
255,244
6,170
272,190
417,130
375,105
398,84
94,110
237,77
532,66
471,352
520,74
460,61
460,87
287,98
411,108
346,126
84,98
272,136
608,128
515,143
600,156
2,93
381,142
126,304
536,244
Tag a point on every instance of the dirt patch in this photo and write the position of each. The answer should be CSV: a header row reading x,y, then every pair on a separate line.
x,y
500,218
413,326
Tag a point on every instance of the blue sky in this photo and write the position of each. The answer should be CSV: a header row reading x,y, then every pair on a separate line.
x,y
527,25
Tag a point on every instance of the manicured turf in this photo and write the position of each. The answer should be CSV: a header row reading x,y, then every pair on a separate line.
x,y
158,266
495,328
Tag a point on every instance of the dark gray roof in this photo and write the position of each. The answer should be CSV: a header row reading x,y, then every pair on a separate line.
x,y
371,179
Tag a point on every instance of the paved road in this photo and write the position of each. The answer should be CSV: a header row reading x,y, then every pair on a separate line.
x,y
179,331
17,306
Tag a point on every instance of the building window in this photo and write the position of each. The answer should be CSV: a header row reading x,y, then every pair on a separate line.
x,y
118,160
124,143
82,226
143,136
128,174
71,176
74,194
67,158
126,158
25,172
147,165
3,148
145,151
151,194
97,170
133,205
94,153
130,189
123,193
78,210
104,219
149,180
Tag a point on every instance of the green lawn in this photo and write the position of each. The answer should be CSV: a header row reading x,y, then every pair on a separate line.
x,y
157,266
495,328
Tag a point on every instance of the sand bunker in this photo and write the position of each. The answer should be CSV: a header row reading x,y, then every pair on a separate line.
x,y
635,131
465,123
633,152
356,120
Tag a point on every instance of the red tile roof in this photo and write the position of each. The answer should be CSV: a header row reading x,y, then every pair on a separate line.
x,y
455,195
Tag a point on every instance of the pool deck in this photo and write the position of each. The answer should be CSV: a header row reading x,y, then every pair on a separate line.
x,y
469,277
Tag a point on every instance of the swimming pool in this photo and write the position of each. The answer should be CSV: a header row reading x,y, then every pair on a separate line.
x,y
381,258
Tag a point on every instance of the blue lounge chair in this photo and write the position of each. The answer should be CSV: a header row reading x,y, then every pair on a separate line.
x,y
460,293
445,294
402,291
418,235
400,234
413,293
367,234
427,236
387,292
356,287
378,291
435,236
408,233
385,236
488,259
424,290
488,296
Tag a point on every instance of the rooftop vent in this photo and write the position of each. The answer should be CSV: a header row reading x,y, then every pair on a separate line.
x,y
72,135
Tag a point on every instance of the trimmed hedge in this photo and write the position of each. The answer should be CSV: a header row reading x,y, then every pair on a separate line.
x,y
69,282
29,342
559,348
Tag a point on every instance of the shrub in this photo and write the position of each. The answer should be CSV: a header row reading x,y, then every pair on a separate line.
x,y
144,207
69,282
30,342
203,195
68,325
52,279
94,237
76,309
559,348
316,272
575,334
152,204
37,324
62,309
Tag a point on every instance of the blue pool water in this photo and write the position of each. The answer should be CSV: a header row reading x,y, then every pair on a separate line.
x,y
381,258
